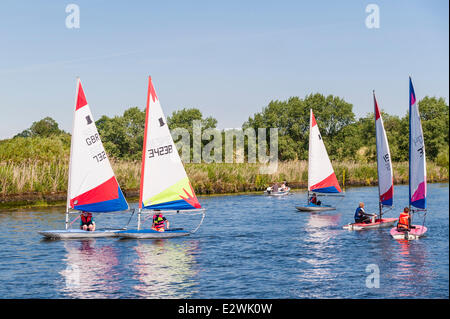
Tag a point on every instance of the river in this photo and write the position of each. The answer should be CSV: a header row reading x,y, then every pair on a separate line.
x,y
249,246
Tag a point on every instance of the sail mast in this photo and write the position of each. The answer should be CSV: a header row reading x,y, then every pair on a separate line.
x,y
380,207
70,156
144,146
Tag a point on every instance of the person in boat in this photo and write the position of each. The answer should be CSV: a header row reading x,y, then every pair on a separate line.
x,y
283,187
275,188
404,221
361,216
87,221
314,200
158,222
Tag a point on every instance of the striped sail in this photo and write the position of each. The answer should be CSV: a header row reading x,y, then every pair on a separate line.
x,y
417,161
164,183
384,164
92,184
321,176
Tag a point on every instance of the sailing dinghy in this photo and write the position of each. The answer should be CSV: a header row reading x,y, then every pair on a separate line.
x,y
92,186
321,176
417,171
165,185
385,177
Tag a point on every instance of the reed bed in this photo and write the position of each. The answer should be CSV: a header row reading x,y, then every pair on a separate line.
x,y
45,177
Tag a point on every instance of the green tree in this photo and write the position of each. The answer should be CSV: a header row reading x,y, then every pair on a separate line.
x,y
122,136
43,128
291,117
434,115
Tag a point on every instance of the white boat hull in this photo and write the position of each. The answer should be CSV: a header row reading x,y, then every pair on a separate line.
x,y
314,208
386,222
78,233
278,193
152,234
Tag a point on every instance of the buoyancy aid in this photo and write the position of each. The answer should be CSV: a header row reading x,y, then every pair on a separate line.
x,y
158,221
403,220
86,219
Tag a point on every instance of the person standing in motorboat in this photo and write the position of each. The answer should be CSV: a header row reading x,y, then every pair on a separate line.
x,y
87,221
361,216
158,222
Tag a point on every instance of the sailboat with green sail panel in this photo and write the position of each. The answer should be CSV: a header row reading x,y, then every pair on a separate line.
x,y
165,185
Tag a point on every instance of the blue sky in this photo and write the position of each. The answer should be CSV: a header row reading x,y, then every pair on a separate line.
x,y
227,58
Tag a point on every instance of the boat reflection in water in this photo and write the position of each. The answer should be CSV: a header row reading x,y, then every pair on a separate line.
x,y
318,258
165,268
411,268
89,271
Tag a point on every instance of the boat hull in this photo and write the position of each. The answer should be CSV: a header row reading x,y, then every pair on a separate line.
x,y
315,208
152,234
278,193
384,222
78,234
413,234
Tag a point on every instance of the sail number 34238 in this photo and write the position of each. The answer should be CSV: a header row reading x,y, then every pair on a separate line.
x,y
159,151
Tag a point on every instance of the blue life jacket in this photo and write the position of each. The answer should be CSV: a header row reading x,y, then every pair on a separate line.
x,y
359,213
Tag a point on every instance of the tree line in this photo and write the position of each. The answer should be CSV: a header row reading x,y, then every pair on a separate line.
x,y
345,136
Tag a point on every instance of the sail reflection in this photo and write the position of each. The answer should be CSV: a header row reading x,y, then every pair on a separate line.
x,y
165,269
318,258
411,268
88,273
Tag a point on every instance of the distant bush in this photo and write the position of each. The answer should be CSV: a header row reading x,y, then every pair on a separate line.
x,y
25,149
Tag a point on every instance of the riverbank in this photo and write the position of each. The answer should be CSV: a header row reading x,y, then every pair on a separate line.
x,y
44,183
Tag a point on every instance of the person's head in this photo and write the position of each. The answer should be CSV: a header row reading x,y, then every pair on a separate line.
x,y
85,213
314,194
361,204
406,210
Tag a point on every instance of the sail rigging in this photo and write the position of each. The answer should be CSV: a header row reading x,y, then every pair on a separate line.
x,y
164,182
417,160
384,164
92,185
321,176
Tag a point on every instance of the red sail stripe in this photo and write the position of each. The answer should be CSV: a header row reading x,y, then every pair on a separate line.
x,y
106,191
328,182
81,98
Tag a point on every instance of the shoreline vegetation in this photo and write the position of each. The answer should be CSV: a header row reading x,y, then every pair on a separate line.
x,y
44,183
34,163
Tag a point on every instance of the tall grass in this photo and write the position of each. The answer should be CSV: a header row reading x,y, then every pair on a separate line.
x,y
51,176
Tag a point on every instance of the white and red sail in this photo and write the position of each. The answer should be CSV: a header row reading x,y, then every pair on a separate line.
x,y
417,161
164,182
321,176
92,184
384,164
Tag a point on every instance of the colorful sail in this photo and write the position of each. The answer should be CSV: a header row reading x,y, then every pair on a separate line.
x,y
417,161
321,176
92,184
384,164
164,182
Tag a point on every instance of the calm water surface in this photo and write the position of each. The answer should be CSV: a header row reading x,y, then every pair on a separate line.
x,y
249,246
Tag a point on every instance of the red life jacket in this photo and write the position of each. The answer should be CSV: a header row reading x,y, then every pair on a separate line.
x,y
313,200
86,219
158,221
403,220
